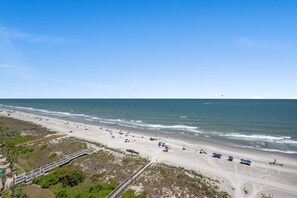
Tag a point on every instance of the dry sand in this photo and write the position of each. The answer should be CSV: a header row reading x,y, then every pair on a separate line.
x,y
260,177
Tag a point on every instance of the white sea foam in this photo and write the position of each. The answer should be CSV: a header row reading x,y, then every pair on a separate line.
x,y
122,122
267,149
279,151
264,138
139,123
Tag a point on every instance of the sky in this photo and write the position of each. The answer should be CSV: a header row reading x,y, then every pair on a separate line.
x,y
148,49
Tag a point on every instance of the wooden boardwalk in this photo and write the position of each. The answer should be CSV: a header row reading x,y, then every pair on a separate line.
x,y
25,177
119,190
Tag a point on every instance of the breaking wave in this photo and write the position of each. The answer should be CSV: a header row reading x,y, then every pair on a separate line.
x,y
121,122
264,138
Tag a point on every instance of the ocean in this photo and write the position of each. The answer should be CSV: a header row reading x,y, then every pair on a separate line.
x,y
269,125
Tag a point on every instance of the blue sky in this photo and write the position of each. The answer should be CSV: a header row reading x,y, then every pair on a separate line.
x,y
136,49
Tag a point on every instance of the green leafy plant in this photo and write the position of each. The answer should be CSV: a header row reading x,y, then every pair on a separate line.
x,y
131,194
52,156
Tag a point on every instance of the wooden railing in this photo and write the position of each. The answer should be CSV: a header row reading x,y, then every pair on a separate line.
x,y
25,177
119,190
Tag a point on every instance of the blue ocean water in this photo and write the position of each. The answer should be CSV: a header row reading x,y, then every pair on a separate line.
x,y
262,124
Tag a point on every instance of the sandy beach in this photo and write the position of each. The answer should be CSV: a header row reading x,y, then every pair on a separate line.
x,y
236,178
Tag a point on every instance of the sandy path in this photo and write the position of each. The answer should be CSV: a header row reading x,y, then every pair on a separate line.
x,y
235,177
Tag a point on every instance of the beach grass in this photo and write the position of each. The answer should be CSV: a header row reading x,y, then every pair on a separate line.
x,y
24,130
34,191
40,154
108,164
171,181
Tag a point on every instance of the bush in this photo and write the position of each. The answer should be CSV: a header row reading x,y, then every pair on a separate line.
x,y
48,180
25,149
44,146
67,175
9,175
62,194
20,194
52,156
5,193
131,194
97,190
95,177
71,176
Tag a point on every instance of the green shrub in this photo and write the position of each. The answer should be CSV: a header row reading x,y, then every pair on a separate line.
x,y
9,175
47,180
97,190
131,194
52,156
18,193
23,138
25,149
67,175
5,193
44,146
62,194
95,177
71,176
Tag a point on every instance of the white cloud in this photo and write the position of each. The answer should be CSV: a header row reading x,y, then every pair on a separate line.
x,y
5,66
9,34
295,97
87,84
255,43
246,42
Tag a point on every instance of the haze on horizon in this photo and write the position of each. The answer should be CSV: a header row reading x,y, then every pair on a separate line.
x,y
148,49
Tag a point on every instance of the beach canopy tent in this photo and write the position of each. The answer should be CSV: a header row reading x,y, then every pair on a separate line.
x,y
161,143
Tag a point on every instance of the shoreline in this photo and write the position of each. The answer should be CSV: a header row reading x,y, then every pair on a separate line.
x,y
151,132
231,174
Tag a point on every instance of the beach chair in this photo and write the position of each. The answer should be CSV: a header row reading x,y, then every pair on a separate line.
x,y
159,144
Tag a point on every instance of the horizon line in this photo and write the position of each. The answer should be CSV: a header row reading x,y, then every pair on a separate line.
x,y
153,98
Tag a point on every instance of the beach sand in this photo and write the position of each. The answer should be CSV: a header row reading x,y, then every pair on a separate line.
x,y
235,178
